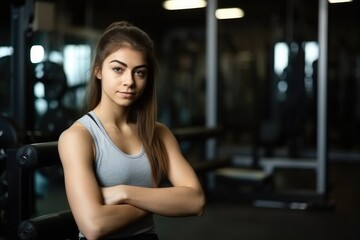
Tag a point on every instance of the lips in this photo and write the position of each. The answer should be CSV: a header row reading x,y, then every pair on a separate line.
x,y
127,94
131,93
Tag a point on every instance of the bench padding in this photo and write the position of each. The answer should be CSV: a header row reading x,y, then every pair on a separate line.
x,y
59,225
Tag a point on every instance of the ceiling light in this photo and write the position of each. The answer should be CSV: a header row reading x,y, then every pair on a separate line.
x,y
183,4
229,13
339,1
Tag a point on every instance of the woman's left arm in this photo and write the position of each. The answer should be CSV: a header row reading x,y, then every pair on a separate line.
x,y
184,198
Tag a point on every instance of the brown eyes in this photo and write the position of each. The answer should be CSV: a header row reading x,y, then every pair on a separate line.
x,y
140,73
117,69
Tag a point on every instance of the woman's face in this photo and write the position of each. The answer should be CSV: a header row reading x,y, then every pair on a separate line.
x,y
123,76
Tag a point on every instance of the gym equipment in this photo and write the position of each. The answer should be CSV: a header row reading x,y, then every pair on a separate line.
x,y
21,34
59,225
53,77
10,138
25,161
5,84
56,118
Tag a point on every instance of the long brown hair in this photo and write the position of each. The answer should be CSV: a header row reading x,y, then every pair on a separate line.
x,y
144,111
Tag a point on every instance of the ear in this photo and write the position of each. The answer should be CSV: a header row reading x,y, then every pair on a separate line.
x,y
98,73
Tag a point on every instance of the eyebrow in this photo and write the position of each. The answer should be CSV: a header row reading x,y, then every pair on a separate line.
x,y
125,65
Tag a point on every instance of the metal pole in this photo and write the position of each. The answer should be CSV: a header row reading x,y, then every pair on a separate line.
x,y
21,19
321,101
19,182
211,64
211,79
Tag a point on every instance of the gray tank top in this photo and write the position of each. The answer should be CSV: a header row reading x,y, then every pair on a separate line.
x,y
114,167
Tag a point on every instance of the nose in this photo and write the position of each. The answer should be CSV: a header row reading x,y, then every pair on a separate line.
x,y
128,79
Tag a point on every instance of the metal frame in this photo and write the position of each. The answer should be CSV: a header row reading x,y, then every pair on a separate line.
x,y
320,163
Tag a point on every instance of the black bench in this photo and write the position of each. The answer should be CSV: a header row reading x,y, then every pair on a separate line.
x,y
58,225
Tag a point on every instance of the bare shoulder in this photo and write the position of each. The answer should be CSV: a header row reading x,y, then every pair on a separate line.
x,y
162,130
75,143
74,133
166,135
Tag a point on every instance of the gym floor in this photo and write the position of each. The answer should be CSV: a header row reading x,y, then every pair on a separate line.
x,y
235,219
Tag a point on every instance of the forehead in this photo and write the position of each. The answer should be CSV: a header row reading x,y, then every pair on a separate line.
x,y
127,55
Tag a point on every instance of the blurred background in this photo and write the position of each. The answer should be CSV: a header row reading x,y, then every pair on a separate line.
x,y
266,99
266,65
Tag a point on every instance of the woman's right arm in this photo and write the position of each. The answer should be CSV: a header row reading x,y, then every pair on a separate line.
x,y
94,218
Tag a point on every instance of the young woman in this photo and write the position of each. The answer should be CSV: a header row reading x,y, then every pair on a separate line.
x,y
115,156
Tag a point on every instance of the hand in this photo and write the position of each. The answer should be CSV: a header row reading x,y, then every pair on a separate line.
x,y
114,195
